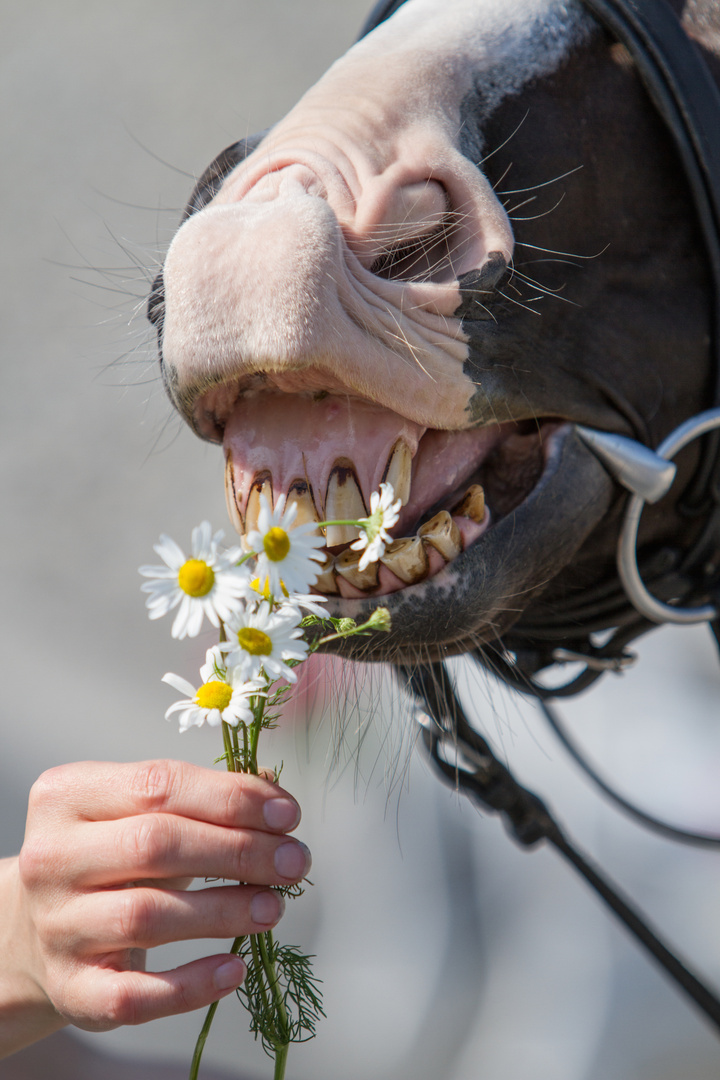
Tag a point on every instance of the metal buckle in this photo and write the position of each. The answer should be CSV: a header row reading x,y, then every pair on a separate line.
x,y
640,598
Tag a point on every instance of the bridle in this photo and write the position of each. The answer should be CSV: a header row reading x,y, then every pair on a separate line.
x,y
674,585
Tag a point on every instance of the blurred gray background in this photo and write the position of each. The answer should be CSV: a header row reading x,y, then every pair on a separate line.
x,y
445,953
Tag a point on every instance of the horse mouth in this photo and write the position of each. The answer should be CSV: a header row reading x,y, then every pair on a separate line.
x,y
328,452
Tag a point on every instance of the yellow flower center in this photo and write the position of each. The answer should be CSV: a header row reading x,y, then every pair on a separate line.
x,y
254,641
196,578
214,695
265,591
276,544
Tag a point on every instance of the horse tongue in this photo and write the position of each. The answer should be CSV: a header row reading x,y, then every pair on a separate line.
x,y
327,452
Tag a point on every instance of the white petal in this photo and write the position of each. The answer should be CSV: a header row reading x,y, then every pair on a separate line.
x,y
170,552
178,683
160,606
159,572
194,620
202,540
206,604
179,627
191,718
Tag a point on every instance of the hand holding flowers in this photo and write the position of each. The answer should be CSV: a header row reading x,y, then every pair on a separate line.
x,y
109,851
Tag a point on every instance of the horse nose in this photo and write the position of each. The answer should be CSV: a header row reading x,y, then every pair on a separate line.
x,y
246,282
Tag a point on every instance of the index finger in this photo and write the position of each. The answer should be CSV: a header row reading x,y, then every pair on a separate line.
x,y
104,791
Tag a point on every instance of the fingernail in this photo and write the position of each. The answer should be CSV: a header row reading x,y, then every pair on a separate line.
x,y
266,907
292,860
230,975
281,814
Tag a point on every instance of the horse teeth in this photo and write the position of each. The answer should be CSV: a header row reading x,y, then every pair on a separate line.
x,y
231,497
407,558
261,485
398,471
326,582
347,565
343,500
300,493
473,504
442,533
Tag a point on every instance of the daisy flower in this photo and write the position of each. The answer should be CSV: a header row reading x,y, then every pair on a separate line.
x,y
263,640
286,554
384,513
208,583
216,699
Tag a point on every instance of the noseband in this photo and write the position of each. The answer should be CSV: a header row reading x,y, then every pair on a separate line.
x,y
677,584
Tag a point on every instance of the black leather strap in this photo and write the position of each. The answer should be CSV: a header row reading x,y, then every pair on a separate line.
x,y
492,787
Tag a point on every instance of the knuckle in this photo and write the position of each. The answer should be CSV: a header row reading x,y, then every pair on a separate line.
x,y
118,1006
153,782
243,855
60,938
51,788
136,919
235,803
38,862
72,999
148,843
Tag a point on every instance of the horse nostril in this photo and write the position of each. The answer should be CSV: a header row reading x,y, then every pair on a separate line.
x,y
425,257
402,231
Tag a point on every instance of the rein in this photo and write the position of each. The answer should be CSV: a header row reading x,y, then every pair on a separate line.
x,y
671,585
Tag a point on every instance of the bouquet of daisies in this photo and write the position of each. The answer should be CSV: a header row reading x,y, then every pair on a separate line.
x,y
258,596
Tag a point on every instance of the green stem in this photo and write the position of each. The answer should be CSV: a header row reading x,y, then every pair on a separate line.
x,y
201,1040
274,983
210,1016
358,524
227,742
255,728
370,624
257,960
245,749
281,1042
281,1053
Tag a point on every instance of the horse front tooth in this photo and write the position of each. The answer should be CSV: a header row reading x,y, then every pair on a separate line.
x,y
300,493
261,485
398,471
347,565
442,533
472,505
343,500
326,582
231,497
407,558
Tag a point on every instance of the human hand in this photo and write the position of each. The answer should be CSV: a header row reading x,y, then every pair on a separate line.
x,y
101,877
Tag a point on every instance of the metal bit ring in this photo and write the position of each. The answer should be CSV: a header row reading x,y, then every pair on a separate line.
x,y
638,595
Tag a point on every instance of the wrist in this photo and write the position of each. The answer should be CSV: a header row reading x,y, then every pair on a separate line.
x,y
26,1012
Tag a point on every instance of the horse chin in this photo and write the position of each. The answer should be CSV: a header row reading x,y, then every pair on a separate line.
x,y
483,591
